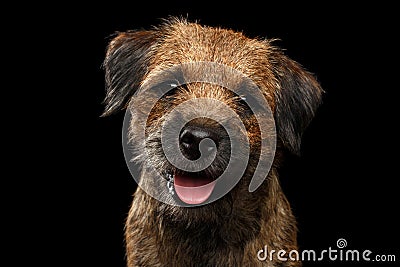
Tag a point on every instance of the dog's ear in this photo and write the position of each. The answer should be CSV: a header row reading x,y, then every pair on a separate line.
x,y
125,65
297,98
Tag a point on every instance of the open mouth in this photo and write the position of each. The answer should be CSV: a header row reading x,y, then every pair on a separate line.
x,y
193,188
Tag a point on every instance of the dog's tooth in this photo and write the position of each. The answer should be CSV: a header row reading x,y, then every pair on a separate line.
x,y
170,183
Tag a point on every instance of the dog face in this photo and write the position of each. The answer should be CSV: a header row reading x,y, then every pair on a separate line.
x,y
136,61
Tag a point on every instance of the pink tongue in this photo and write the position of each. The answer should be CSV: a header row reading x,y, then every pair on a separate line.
x,y
193,190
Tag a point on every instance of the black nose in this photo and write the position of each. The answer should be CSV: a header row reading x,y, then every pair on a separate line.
x,y
196,141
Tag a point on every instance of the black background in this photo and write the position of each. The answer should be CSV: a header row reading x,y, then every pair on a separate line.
x,y
343,185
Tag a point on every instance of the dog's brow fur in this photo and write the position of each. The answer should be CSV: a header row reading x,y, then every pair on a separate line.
x,y
230,231
189,42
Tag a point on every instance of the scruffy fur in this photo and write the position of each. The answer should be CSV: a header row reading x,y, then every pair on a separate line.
x,y
230,231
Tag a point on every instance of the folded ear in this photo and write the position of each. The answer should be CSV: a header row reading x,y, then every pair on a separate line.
x,y
297,99
125,66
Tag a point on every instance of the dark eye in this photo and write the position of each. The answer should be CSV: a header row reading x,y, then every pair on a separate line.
x,y
248,96
170,89
250,103
242,100
245,108
166,88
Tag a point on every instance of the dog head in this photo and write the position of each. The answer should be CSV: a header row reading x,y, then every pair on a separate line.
x,y
171,58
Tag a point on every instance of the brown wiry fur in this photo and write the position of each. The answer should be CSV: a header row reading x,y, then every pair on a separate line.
x,y
230,231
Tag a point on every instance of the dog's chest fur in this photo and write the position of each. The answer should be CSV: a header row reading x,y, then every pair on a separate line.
x,y
158,240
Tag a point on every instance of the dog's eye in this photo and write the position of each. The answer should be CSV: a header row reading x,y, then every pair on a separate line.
x,y
166,88
242,99
244,103
172,89
243,107
249,103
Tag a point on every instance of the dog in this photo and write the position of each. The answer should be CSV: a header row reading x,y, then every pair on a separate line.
x,y
184,229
